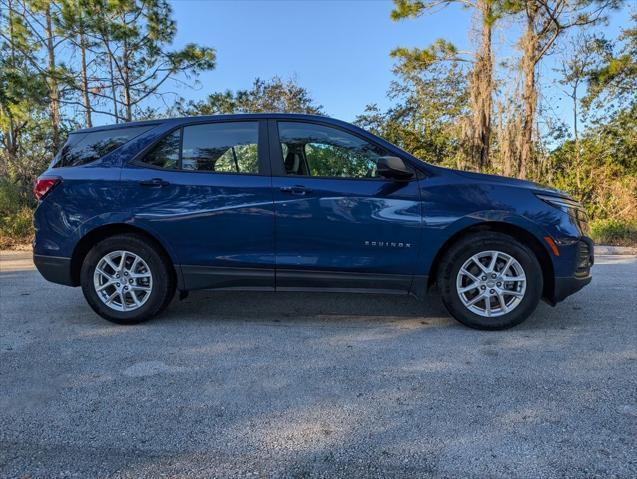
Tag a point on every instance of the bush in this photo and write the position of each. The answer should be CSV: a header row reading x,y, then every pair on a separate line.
x,y
10,198
614,232
17,228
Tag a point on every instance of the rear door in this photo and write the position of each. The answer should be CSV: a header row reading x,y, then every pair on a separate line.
x,y
205,190
339,225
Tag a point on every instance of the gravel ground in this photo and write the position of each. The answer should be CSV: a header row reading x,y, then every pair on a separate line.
x,y
316,385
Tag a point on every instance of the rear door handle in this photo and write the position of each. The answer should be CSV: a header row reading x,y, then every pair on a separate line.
x,y
154,183
298,190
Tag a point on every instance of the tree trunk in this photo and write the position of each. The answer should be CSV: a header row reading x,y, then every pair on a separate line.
x,y
481,90
529,60
54,90
576,134
126,83
86,101
113,86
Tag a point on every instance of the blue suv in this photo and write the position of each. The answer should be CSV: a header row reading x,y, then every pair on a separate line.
x,y
282,202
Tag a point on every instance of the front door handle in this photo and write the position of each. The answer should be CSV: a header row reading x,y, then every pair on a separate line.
x,y
298,190
154,183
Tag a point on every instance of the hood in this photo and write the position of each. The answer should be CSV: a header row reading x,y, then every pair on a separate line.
x,y
505,180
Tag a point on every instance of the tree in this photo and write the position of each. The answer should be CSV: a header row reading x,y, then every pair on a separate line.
x,y
23,97
613,81
545,22
430,100
481,83
580,54
274,95
139,35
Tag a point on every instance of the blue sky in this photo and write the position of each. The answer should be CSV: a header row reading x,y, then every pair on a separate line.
x,y
337,49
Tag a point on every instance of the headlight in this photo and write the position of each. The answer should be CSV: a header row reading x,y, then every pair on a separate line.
x,y
563,204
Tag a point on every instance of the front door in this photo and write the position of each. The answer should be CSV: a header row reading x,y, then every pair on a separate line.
x,y
339,225
204,190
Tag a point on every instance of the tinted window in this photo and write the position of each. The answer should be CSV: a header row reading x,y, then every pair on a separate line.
x,y
83,148
221,147
315,150
166,153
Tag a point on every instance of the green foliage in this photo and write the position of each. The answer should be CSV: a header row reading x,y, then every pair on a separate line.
x,y
604,177
17,227
614,232
15,217
431,101
274,95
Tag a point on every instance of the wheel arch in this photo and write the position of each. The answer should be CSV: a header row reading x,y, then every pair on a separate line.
x,y
517,232
100,233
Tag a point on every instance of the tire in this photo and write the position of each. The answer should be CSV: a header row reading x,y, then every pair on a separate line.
x,y
520,297
146,276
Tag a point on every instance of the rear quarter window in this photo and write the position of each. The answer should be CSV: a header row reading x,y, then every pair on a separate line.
x,y
83,148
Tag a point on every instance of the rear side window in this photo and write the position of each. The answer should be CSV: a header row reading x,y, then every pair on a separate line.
x,y
84,148
214,147
165,154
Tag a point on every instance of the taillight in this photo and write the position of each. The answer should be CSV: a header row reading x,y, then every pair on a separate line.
x,y
43,185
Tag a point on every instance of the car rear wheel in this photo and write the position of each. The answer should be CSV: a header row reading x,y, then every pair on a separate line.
x,y
125,280
490,281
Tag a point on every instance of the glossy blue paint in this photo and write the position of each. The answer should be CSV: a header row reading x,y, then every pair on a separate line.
x,y
272,223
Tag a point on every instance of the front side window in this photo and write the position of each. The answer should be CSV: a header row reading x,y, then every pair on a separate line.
x,y
212,147
316,150
85,147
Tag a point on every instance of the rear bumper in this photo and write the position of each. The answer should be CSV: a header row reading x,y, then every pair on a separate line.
x,y
54,269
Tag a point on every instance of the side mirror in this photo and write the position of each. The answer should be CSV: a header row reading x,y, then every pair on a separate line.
x,y
393,167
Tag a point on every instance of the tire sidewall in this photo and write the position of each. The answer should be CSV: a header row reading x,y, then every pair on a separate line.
x,y
158,268
486,242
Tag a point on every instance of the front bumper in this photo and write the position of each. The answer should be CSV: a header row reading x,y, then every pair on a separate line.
x,y
54,268
564,286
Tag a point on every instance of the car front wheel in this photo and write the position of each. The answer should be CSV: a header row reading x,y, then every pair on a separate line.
x,y
125,280
490,281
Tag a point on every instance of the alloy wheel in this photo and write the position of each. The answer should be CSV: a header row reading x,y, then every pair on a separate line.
x,y
491,283
123,281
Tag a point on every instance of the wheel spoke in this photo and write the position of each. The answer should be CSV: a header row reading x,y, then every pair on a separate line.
x,y
468,287
471,276
476,260
494,260
122,260
104,273
487,305
476,299
105,285
513,278
139,275
503,304
133,295
507,265
109,262
122,298
140,288
134,265
111,297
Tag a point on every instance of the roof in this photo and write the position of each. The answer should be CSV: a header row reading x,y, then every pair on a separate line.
x,y
243,116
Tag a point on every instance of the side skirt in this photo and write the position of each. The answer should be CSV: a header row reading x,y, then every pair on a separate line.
x,y
266,279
